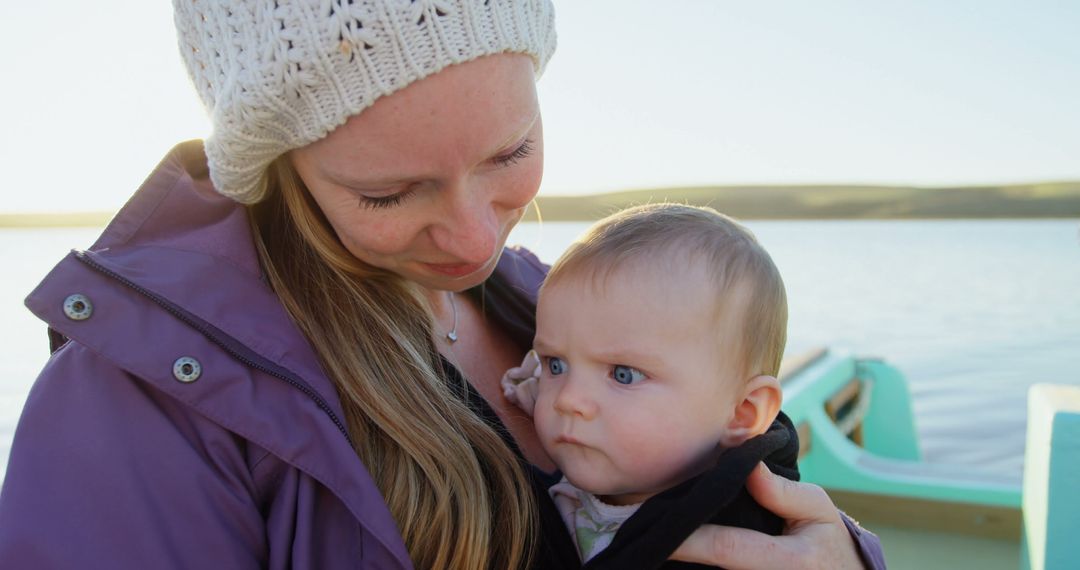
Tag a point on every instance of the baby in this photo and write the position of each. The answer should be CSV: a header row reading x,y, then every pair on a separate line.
x,y
653,382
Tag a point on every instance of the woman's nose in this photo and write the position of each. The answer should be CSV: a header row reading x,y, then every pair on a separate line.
x,y
470,226
573,398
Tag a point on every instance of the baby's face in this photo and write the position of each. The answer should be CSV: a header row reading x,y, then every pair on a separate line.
x,y
635,392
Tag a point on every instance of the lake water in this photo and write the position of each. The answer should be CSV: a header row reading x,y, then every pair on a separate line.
x,y
973,312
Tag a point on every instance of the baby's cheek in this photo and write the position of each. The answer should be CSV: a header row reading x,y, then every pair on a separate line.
x,y
544,418
654,453
542,413
545,395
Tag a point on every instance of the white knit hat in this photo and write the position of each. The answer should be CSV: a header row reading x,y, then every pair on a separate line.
x,y
279,74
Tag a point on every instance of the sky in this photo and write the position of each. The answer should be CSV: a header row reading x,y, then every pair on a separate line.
x,y
640,93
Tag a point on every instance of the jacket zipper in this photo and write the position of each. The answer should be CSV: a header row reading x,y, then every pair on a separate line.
x,y
228,344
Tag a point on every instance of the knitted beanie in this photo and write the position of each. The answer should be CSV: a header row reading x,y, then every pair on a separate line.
x,y
280,74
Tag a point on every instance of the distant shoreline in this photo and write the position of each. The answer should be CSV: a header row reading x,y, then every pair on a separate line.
x,y
1060,200
1056,200
56,220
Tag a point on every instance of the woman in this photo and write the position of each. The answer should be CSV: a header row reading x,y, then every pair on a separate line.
x,y
261,361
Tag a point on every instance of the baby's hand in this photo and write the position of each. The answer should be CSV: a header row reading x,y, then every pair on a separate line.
x,y
519,384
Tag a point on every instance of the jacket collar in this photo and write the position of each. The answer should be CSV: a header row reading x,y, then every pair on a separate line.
x,y
180,239
176,274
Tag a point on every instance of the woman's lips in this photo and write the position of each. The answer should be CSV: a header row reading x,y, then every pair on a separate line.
x,y
455,269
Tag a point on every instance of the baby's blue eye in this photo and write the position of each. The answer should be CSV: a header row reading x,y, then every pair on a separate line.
x,y
626,375
556,366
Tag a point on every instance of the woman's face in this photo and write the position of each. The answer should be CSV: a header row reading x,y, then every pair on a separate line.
x,y
429,181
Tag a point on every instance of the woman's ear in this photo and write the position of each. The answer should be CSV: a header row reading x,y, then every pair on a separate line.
x,y
755,411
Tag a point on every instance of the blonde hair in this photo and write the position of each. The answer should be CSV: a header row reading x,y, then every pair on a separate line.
x,y
745,281
459,495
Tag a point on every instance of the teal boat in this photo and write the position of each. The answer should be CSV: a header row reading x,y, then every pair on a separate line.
x,y
858,441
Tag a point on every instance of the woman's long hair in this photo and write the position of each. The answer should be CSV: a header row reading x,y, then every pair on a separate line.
x,y
459,495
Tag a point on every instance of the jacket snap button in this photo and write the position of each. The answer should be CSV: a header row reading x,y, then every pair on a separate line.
x,y
77,307
186,369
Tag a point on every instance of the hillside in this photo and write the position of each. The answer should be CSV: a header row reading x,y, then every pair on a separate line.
x,y
1051,200
57,220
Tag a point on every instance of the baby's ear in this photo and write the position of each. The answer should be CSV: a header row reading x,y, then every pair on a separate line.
x,y
755,411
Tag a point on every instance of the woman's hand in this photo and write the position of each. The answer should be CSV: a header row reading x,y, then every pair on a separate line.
x,y
814,536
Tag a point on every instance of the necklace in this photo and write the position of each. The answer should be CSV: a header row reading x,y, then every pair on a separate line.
x,y
452,335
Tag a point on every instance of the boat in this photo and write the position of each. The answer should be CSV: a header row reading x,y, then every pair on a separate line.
x,y
858,441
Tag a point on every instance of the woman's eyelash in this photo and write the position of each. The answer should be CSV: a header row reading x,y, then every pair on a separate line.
x,y
519,153
376,203
384,201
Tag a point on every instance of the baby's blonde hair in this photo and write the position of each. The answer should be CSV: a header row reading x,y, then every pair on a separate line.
x,y
672,237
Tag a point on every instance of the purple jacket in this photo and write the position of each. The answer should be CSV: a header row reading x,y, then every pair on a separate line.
x,y
187,423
